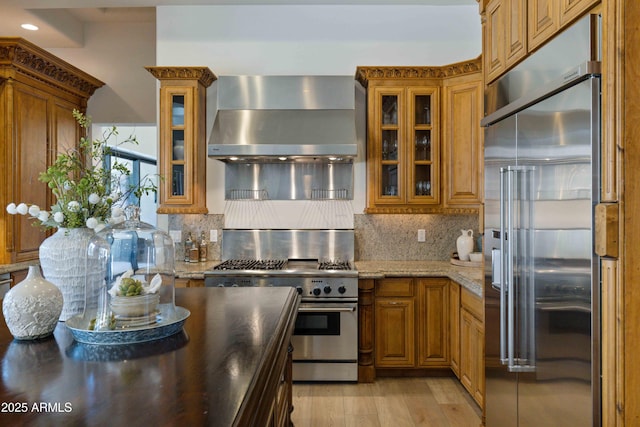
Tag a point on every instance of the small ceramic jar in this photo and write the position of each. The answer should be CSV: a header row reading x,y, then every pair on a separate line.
x,y
32,307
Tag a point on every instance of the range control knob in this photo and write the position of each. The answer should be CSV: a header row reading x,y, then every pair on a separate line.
x,y
316,291
299,290
342,289
327,289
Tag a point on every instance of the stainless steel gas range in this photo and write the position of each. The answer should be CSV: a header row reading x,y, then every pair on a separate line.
x,y
319,265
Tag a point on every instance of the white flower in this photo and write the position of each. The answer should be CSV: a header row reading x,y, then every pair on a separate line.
x,y
92,223
99,227
94,198
43,216
34,210
22,208
73,206
58,217
11,208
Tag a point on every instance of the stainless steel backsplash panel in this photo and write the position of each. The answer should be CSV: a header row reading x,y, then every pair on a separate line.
x,y
288,244
288,181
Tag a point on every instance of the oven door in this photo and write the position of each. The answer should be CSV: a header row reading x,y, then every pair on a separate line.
x,y
325,342
326,331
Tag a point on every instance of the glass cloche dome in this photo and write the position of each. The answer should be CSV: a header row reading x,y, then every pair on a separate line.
x,y
137,292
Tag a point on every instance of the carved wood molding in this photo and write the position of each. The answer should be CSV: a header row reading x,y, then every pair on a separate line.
x,y
364,74
202,74
420,210
22,56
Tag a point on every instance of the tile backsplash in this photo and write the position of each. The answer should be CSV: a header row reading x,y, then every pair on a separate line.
x,y
377,237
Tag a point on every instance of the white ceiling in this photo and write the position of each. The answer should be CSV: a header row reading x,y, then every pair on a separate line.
x,y
61,22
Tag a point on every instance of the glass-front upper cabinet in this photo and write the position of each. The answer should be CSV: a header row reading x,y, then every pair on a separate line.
x,y
423,146
403,147
182,131
388,144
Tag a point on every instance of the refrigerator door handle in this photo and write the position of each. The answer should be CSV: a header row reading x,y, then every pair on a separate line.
x,y
509,238
502,278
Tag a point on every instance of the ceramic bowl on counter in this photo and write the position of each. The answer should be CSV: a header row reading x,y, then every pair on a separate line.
x,y
475,257
135,306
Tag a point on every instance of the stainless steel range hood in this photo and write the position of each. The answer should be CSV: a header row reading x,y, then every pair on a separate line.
x,y
276,118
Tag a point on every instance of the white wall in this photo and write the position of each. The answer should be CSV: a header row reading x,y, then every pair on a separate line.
x,y
116,53
298,40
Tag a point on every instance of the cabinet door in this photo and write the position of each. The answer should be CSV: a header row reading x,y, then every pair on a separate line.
x,y
386,133
394,332
571,9
433,322
462,141
422,145
472,355
543,21
32,150
176,128
454,327
516,31
494,39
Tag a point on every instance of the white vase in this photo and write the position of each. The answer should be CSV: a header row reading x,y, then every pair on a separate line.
x,y
32,307
464,244
63,257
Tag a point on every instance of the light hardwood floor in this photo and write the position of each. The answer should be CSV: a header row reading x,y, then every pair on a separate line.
x,y
397,402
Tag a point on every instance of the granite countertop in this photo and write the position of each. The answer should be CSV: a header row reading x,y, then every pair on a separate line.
x,y
186,270
470,278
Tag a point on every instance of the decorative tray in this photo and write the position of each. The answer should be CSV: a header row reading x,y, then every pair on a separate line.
x,y
456,261
165,326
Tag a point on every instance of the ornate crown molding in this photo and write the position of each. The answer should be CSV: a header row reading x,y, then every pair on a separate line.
x,y
364,74
202,74
28,59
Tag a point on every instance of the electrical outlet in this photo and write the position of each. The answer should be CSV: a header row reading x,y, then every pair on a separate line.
x,y
422,235
213,235
176,235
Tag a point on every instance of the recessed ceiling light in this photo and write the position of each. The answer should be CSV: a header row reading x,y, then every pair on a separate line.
x,y
30,27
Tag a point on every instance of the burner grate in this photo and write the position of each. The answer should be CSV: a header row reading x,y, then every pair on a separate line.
x,y
251,264
334,265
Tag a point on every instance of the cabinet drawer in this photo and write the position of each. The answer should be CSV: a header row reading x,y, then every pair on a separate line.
x,y
401,287
472,303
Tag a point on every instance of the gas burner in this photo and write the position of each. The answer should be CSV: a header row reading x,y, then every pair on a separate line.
x,y
251,264
269,264
334,265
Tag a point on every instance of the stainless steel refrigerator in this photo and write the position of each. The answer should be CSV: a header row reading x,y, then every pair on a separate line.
x,y
542,278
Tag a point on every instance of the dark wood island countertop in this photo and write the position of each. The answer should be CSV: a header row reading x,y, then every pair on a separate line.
x,y
228,367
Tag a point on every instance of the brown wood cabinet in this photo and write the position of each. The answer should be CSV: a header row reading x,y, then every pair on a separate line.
x,y
182,131
433,322
406,169
505,41
514,28
462,136
472,345
411,323
38,93
394,323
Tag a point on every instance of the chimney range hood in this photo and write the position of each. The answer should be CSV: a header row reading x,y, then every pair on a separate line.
x,y
284,118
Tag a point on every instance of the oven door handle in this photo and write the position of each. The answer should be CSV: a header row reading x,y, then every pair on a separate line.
x,y
324,309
